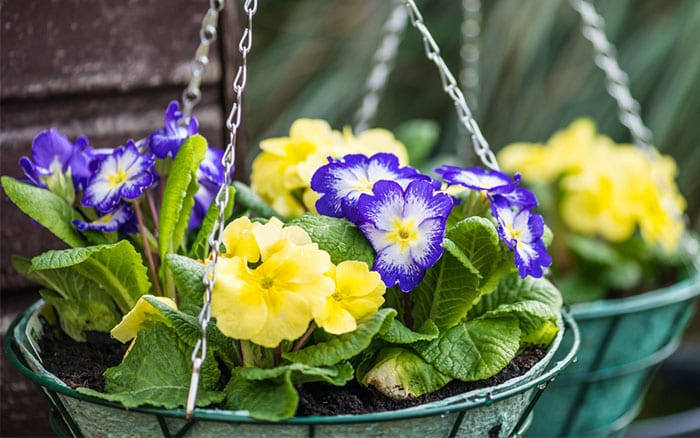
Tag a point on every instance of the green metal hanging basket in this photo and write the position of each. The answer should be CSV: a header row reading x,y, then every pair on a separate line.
x,y
502,410
622,343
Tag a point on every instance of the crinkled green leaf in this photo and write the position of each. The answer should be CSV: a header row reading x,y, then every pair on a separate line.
x,y
200,247
473,350
87,309
400,373
187,276
118,269
247,198
338,237
535,302
345,346
50,210
178,200
156,372
269,394
398,333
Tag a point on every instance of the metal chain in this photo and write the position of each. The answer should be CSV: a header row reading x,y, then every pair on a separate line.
x,y
383,61
617,81
470,51
449,85
207,35
233,122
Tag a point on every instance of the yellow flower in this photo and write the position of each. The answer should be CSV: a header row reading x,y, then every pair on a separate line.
x,y
239,240
358,293
287,163
132,321
274,300
373,141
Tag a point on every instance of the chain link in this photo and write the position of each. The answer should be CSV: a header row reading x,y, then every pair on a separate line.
x,y
221,200
207,35
449,85
617,81
383,61
470,51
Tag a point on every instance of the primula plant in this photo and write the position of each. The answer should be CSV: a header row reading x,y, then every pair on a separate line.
x,y
615,209
339,262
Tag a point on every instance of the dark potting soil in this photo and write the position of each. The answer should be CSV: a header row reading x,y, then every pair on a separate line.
x,y
82,364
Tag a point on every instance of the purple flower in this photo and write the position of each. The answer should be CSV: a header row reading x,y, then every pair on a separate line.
x,y
476,178
520,197
210,176
342,181
123,174
406,228
121,216
167,140
53,155
522,231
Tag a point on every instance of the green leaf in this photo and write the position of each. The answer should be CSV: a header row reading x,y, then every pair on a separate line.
x,y
187,275
345,346
246,197
474,350
86,309
400,373
419,136
156,372
269,394
338,237
535,302
593,250
200,247
400,334
178,200
116,268
50,210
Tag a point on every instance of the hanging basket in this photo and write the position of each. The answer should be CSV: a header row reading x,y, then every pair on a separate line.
x,y
622,343
502,410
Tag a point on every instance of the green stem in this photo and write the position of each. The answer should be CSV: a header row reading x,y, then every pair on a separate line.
x,y
147,248
300,343
154,211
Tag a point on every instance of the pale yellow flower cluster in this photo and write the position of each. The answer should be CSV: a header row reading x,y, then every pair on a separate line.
x,y
282,171
607,189
272,281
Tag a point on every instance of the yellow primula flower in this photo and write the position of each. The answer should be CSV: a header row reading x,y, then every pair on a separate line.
x,y
239,240
358,293
131,322
373,141
287,163
274,300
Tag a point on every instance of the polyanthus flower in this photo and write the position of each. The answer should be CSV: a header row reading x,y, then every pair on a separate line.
x,y
406,228
275,299
131,323
167,140
210,176
108,222
522,231
477,178
56,162
358,293
124,174
342,181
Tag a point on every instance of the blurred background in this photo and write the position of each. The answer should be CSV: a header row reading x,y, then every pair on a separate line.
x,y
122,62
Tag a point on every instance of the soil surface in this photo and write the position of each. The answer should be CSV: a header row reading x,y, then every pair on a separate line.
x,y
82,364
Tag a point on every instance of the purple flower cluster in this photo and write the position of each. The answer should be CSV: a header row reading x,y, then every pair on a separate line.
x,y
511,206
111,179
398,209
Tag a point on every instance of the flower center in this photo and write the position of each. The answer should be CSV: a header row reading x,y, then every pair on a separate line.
x,y
404,232
118,178
266,283
363,185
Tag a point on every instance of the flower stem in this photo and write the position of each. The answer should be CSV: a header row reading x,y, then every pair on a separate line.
x,y
154,212
300,343
147,249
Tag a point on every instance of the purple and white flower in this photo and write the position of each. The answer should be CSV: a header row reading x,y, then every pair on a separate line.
x,y
120,217
477,178
406,228
343,180
522,231
167,140
210,176
53,156
123,174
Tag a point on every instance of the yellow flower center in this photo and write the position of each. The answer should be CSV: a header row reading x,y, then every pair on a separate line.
x,y
266,283
404,233
513,233
364,185
118,178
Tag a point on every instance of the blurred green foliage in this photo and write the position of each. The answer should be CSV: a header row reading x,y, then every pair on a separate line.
x,y
311,58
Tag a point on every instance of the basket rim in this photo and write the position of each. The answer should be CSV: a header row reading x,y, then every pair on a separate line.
x,y
538,376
